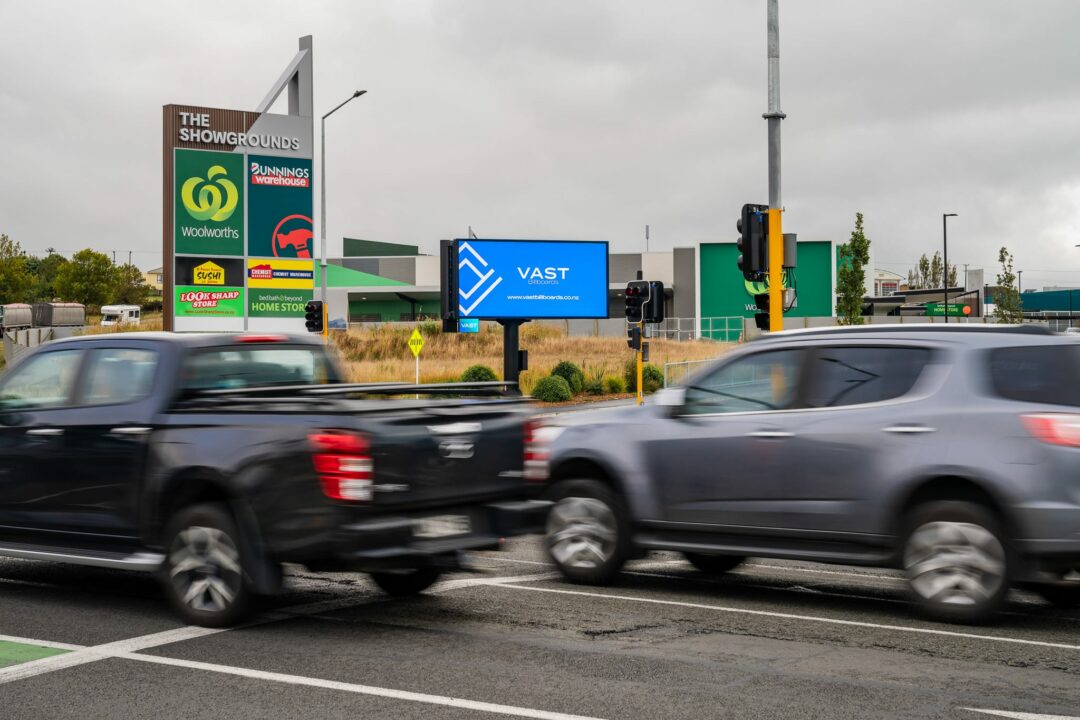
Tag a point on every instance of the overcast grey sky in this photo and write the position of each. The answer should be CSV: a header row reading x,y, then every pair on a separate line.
x,y
580,119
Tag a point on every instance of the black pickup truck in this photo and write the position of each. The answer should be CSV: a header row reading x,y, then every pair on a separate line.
x,y
213,459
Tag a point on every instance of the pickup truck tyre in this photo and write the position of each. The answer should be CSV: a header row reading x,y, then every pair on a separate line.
x,y
713,564
204,572
402,583
588,531
957,561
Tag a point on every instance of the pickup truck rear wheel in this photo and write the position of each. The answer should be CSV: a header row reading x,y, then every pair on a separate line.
x,y
402,583
588,531
204,570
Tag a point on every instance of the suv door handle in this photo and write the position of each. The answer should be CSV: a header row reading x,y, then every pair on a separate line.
x,y
45,432
770,434
129,430
908,429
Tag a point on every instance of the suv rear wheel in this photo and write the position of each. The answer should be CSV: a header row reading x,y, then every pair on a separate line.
x,y
204,573
713,564
956,561
588,533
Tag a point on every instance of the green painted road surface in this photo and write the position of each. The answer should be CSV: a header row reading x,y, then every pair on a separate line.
x,y
12,653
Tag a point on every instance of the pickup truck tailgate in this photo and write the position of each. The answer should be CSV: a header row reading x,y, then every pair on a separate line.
x,y
431,456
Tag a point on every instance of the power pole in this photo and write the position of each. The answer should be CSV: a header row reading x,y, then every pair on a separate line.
x,y
773,117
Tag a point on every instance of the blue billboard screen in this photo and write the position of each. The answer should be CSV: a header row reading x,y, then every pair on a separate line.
x,y
532,279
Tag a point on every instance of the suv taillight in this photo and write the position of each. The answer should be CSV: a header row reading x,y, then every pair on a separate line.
x,y
536,452
343,464
1054,428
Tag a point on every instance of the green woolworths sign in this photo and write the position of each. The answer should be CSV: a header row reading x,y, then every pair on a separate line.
x,y
208,207
725,293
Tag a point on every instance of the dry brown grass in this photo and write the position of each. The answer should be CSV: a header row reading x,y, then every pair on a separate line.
x,y
382,354
150,322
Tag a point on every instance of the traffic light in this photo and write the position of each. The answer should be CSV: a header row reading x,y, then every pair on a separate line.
x,y
637,296
633,337
654,309
753,243
313,315
761,319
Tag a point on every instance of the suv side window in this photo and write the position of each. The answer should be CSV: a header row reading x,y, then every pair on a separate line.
x,y
762,381
1047,374
840,376
44,381
118,375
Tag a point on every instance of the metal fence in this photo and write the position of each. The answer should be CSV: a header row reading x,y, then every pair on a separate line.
x,y
721,329
676,372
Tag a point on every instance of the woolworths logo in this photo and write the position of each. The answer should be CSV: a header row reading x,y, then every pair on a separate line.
x,y
217,196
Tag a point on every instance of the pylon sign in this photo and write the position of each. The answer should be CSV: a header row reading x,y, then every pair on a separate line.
x,y
238,190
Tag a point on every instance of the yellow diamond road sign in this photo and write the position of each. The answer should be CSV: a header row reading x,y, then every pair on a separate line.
x,y
416,342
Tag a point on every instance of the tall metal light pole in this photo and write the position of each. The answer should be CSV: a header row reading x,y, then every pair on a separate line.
x,y
945,240
774,116
322,187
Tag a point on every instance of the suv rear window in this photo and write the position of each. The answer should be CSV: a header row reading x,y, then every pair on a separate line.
x,y
253,366
1047,374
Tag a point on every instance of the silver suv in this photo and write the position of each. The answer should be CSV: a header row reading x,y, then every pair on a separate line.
x,y
953,453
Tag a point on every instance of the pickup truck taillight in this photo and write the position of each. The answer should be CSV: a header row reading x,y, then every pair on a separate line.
x,y
343,463
1054,428
536,452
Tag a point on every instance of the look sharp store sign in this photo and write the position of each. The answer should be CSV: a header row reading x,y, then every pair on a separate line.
x,y
238,212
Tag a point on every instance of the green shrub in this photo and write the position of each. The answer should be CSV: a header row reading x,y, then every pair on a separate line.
x,y
572,374
613,384
479,373
652,377
593,386
552,389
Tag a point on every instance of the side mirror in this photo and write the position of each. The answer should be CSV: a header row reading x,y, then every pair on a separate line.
x,y
672,398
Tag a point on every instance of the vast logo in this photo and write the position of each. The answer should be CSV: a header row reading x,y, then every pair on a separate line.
x,y
217,199
292,237
482,278
209,274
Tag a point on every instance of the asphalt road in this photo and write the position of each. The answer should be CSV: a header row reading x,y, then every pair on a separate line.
x,y
770,640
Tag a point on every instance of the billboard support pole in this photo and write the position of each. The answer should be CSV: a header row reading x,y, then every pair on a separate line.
x,y
511,353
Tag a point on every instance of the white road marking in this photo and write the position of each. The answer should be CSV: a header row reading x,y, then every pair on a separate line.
x,y
1021,715
83,655
360,689
792,616
40,643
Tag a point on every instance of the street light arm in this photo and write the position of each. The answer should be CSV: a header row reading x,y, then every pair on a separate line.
x,y
352,97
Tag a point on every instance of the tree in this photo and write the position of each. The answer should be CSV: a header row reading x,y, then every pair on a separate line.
x,y
1006,297
130,288
89,278
45,269
15,278
929,274
953,282
936,271
851,277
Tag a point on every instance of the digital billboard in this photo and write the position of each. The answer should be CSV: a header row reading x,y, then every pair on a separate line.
x,y
531,279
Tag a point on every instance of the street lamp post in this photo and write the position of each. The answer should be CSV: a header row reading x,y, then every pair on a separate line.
x,y
945,240
322,188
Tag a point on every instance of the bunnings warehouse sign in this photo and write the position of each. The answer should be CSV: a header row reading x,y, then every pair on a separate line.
x,y
238,212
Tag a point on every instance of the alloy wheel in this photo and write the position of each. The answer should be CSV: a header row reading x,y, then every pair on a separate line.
x,y
204,568
955,563
582,532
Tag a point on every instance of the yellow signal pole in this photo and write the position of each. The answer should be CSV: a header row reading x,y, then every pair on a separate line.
x,y
640,362
325,324
776,271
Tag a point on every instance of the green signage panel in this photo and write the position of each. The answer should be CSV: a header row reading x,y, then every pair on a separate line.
x,y
209,302
279,207
208,202
725,293
955,309
278,303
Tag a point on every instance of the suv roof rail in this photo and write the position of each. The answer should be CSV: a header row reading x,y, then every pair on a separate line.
x,y
920,327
